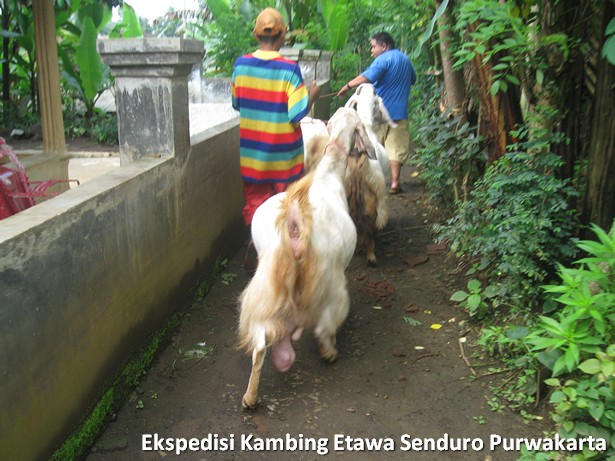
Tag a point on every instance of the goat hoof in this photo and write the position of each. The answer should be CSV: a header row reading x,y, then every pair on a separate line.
x,y
329,355
372,262
248,403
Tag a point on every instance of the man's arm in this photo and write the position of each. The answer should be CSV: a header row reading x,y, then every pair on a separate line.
x,y
313,95
355,82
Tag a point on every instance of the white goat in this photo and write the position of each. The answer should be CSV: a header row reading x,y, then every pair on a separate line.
x,y
374,115
365,182
305,239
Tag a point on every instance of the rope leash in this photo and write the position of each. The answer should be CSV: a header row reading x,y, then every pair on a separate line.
x,y
327,95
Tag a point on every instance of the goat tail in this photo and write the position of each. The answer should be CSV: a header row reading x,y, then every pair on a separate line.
x,y
263,309
295,258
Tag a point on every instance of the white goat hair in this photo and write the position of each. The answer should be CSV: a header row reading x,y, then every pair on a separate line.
x,y
374,115
315,137
305,239
365,181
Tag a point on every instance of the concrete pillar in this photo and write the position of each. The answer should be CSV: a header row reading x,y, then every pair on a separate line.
x,y
151,94
315,67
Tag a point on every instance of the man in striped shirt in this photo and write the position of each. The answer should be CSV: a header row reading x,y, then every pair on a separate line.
x,y
269,92
271,97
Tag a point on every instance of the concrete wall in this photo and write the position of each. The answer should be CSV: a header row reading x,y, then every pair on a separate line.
x,y
87,276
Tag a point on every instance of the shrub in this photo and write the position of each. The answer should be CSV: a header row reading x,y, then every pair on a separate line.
x,y
576,344
452,157
518,224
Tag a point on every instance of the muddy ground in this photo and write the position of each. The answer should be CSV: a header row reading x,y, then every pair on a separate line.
x,y
398,376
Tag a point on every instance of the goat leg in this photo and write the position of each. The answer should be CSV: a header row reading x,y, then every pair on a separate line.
x,y
250,398
326,347
331,318
371,251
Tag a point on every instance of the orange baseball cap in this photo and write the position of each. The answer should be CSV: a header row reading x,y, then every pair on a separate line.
x,y
269,23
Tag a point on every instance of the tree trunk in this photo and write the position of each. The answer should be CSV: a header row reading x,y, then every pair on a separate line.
x,y
600,198
574,92
52,119
454,87
499,113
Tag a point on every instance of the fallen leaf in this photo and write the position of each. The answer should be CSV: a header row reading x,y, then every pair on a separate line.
x,y
378,308
419,348
414,174
399,354
427,311
435,326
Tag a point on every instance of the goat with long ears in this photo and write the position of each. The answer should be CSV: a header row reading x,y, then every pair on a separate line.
x,y
305,239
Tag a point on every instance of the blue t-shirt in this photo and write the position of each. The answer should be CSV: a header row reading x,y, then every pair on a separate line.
x,y
392,74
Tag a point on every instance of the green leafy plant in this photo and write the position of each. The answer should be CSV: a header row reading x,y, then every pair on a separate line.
x,y
504,342
475,299
451,157
587,296
576,344
519,223
501,35
608,49
516,393
585,405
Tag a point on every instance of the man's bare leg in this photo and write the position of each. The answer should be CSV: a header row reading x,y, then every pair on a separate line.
x,y
395,171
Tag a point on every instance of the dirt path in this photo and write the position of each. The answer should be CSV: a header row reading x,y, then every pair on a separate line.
x,y
393,380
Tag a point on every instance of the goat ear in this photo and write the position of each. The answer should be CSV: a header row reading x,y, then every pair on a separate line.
x,y
352,102
362,142
359,88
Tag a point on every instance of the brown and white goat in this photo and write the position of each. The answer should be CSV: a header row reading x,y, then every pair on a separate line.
x,y
364,182
305,239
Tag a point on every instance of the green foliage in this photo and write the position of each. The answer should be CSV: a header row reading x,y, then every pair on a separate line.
x,y
226,38
517,394
518,224
587,296
88,60
504,341
427,34
129,26
84,77
576,343
103,128
451,156
608,49
475,299
336,19
509,40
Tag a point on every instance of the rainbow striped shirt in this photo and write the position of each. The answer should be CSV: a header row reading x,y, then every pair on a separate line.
x,y
271,97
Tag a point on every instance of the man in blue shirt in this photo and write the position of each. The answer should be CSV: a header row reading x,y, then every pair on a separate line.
x,y
392,74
